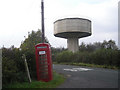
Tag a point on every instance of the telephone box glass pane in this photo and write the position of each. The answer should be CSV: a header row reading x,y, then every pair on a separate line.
x,y
43,65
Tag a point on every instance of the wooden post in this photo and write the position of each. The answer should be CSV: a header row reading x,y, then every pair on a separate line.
x,y
42,21
26,66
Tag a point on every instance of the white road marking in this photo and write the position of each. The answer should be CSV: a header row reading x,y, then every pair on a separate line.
x,y
77,69
69,70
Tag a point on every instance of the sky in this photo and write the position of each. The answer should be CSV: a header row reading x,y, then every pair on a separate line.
x,y
18,17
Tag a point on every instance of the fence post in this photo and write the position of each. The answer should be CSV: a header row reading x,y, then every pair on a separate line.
x,y
26,66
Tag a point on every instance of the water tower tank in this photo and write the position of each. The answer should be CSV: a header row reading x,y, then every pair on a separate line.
x,y
72,29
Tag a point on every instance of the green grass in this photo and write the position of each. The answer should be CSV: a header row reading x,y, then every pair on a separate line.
x,y
90,65
57,80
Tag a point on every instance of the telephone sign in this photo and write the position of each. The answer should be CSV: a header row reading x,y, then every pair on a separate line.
x,y
43,62
41,52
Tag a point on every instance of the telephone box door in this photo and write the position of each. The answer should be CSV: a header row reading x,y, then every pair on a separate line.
x,y
43,62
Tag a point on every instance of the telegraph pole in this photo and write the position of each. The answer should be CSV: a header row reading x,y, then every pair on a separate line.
x,y
43,55
42,21
119,25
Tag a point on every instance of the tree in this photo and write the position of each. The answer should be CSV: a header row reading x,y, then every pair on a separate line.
x,y
28,48
33,38
82,47
90,47
109,44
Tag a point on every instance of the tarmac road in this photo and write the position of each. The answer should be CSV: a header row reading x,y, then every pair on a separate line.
x,y
86,77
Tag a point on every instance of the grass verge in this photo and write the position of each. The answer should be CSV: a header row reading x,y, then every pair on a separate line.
x,y
57,80
90,65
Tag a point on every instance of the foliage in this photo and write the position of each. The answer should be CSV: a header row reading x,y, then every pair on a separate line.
x,y
57,80
13,67
64,56
106,56
99,53
9,70
105,53
13,64
28,48
98,45
33,38
55,51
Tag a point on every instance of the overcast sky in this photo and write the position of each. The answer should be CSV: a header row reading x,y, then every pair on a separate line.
x,y
18,17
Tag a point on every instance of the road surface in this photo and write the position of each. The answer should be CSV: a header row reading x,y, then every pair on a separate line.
x,y
86,77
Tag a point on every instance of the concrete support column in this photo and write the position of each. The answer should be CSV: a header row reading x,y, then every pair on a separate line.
x,y
72,44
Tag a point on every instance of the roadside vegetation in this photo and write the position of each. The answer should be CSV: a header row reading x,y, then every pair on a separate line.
x,y
57,80
13,66
105,54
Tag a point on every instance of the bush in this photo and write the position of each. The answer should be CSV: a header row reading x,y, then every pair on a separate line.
x,y
105,57
65,56
9,70
98,57
13,68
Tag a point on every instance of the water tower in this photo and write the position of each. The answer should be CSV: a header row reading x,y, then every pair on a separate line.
x,y
72,29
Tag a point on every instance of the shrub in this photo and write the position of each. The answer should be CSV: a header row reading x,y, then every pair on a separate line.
x,y
65,56
13,68
98,57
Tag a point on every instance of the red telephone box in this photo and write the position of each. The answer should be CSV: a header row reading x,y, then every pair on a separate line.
x,y
43,62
